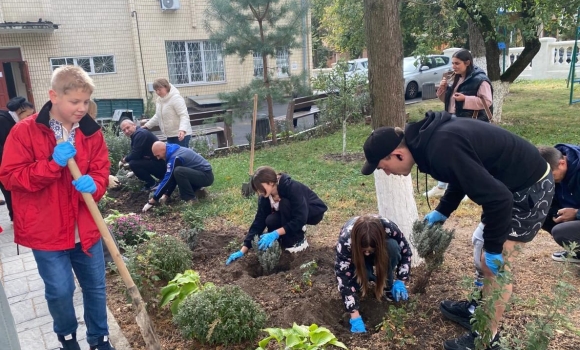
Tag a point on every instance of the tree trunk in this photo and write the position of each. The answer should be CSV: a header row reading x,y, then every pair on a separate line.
x,y
344,137
500,91
476,45
385,53
269,101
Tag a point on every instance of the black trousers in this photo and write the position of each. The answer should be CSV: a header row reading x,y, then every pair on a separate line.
x,y
190,180
565,232
144,168
8,199
279,218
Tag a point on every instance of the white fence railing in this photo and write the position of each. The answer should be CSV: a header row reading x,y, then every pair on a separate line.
x,y
551,62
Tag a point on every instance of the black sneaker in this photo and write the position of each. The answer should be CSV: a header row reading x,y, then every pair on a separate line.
x,y
103,344
69,342
565,256
467,342
458,311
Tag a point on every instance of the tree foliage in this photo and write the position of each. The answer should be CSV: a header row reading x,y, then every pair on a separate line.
x,y
256,27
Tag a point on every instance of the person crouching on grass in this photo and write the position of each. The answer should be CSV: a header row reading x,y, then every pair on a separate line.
x,y
285,207
50,215
370,248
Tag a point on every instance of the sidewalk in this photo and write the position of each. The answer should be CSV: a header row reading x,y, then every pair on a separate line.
x,y
25,291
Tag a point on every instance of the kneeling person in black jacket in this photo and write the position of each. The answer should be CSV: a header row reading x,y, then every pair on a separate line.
x,y
285,207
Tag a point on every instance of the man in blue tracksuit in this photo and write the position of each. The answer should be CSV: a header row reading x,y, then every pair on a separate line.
x,y
185,169
563,220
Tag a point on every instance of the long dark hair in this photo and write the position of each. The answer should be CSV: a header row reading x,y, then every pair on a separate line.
x,y
463,55
368,232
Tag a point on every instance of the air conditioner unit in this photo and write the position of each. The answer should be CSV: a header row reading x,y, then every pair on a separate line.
x,y
168,5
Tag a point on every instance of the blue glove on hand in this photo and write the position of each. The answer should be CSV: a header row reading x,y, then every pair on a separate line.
x,y
267,240
357,325
235,256
85,184
434,217
399,291
63,152
493,261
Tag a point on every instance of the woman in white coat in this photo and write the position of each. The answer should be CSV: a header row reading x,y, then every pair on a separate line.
x,y
170,114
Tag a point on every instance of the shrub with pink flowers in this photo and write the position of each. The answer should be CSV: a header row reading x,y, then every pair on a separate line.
x,y
130,229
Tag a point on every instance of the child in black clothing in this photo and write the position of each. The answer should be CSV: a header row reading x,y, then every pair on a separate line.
x,y
285,207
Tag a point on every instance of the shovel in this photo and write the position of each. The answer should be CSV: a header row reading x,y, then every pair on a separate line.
x,y
247,189
142,318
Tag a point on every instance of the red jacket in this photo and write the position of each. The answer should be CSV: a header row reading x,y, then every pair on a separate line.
x,y
46,204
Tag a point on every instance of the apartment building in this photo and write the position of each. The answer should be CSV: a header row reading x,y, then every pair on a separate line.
x,y
124,45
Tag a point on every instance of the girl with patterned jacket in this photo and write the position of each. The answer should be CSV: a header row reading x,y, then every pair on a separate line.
x,y
370,248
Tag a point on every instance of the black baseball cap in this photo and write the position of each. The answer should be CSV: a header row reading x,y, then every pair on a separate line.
x,y
380,143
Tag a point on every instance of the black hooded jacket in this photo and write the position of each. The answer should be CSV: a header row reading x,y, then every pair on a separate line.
x,y
480,160
305,204
6,124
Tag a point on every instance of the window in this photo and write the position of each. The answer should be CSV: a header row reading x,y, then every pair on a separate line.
x,y
440,61
91,65
191,62
258,65
282,63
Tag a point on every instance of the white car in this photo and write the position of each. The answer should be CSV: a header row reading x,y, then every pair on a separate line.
x,y
430,70
358,66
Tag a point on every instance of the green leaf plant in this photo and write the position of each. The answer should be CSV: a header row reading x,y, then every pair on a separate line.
x,y
301,337
180,287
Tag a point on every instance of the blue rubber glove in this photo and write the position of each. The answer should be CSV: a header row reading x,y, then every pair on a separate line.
x,y
63,152
399,291
357,325
434,217
493,261
267,240
235,256
85,184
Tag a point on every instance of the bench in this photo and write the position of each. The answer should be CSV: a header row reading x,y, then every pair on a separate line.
x,y
302,107
202,124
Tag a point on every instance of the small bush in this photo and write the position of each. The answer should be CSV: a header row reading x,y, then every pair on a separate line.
x,y
130,229
180,287
225,315
160,258
189,236
132,184
118,145
193,218
268,258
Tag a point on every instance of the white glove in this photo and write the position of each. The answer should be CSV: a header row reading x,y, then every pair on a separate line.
x,y
163,199
130,174
121,164
147,207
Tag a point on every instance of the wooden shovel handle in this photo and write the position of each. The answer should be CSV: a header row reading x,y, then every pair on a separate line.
x,y
143,320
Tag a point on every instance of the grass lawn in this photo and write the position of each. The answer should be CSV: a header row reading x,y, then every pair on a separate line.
x,y
537,111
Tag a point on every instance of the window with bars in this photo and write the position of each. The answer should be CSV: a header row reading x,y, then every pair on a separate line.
x,y
91,65
258,65
193,62
282,63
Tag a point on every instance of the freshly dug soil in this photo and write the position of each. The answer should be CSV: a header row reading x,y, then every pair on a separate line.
x,y
287,299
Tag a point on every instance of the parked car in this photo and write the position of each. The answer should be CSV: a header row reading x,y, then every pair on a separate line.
x,y
416,73
430,70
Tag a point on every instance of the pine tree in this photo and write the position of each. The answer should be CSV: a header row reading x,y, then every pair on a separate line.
x,y
261,27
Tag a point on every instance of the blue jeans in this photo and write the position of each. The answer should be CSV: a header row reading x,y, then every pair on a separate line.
x,y
394,253
182,143
56,269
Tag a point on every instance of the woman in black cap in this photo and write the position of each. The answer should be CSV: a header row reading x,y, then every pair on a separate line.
x,y
18,109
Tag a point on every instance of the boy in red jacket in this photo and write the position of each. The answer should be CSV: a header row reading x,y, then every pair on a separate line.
x,y
50,215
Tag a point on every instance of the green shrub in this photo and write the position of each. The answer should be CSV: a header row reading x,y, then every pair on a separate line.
x,y
193,218
268,258
131,184
224,315
118,145
160,258
190,236
129,229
